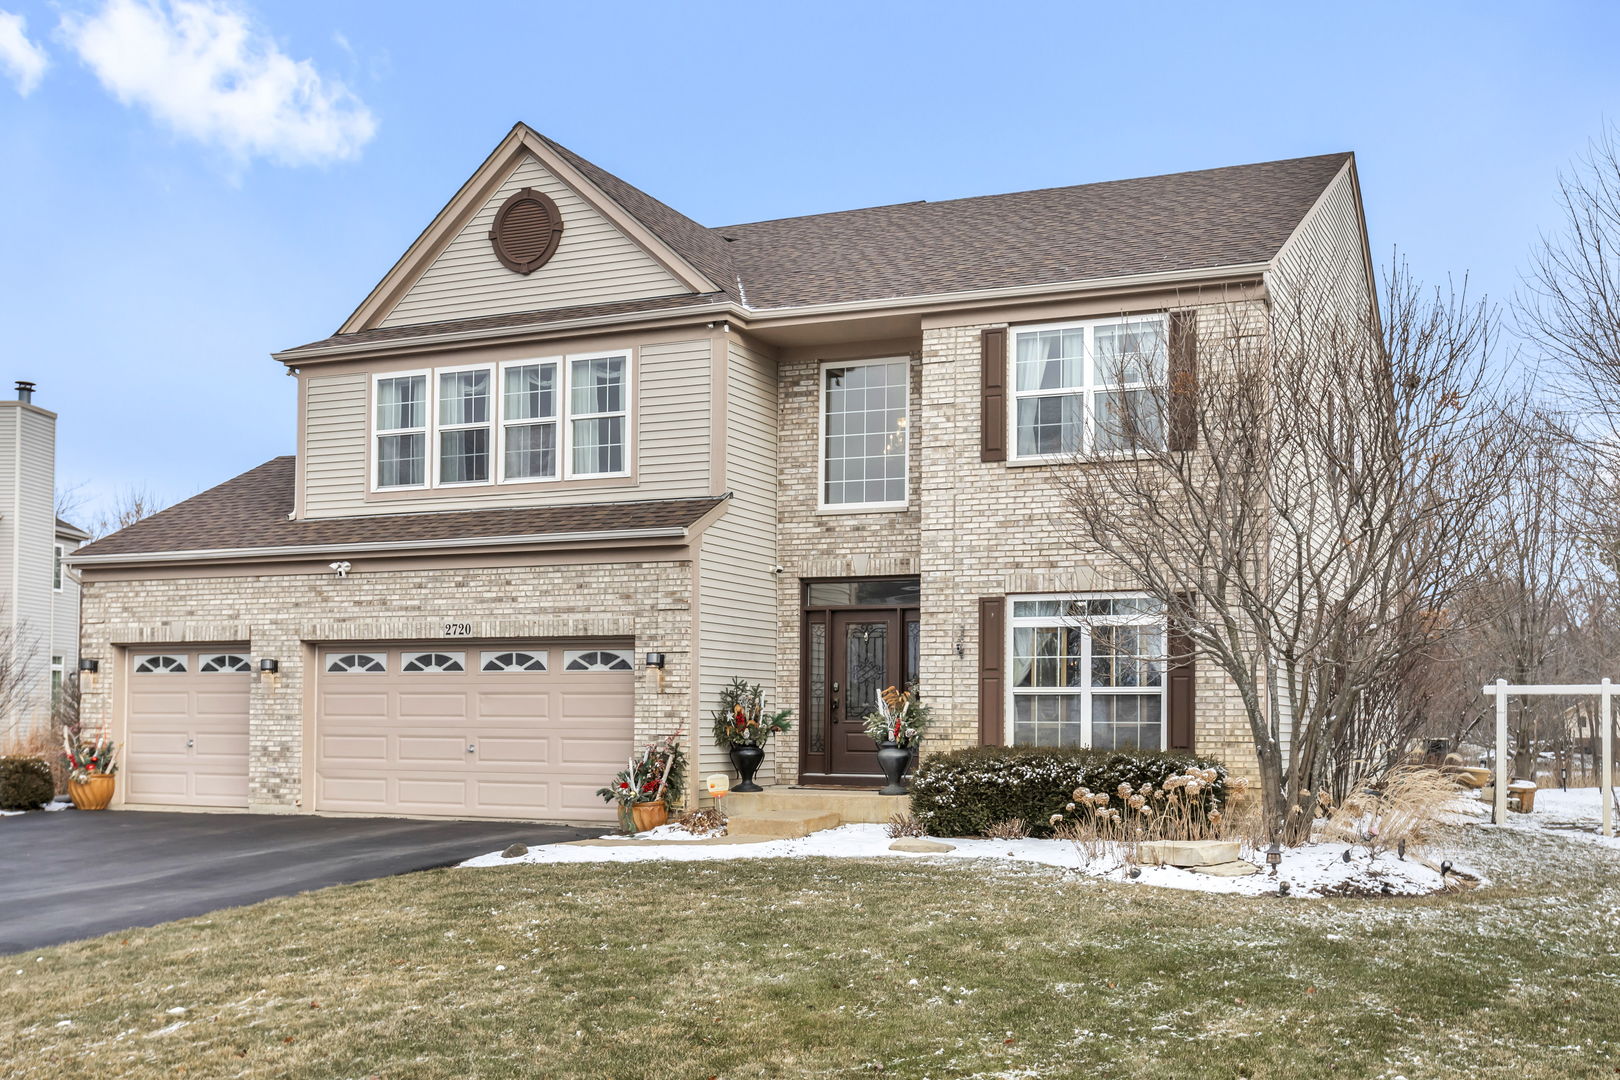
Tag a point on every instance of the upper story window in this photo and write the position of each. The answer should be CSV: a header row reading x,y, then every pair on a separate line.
x,y
864,434
546,419
1089,387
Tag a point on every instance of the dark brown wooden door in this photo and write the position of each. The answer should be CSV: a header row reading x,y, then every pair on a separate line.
x,y
865,657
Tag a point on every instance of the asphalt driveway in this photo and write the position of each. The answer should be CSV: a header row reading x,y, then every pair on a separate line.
x,y
70,875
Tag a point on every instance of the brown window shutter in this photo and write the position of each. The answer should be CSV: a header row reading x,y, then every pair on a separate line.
x,y
1182,403
1179,681
993,394
992,677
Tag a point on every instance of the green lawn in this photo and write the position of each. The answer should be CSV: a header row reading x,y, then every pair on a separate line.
x,y
837,968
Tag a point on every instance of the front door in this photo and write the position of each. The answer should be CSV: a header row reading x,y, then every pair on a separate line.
x,y
865,659
860,636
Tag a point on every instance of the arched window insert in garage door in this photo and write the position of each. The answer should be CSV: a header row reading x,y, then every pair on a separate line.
x,y
350,663
514,660
160,664
432,662
221,663
597,660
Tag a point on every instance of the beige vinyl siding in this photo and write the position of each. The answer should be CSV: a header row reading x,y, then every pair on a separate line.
x,y
672,403
65,614
1326,251
334,454
594,263
736,582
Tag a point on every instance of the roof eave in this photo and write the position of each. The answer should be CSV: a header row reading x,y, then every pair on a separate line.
x,y
749,316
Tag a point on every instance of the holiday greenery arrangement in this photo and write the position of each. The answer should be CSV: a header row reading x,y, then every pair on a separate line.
x,y
899,719
656,774
741,719
88,758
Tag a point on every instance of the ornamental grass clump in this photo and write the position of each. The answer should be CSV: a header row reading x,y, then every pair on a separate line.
x,y
741,719
1395,811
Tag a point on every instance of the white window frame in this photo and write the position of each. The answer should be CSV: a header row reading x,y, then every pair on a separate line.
x,y
564,420
822,505
1087,390
439,427
570,656
566,410
558,419
58,675
1084,692
57,572
426,431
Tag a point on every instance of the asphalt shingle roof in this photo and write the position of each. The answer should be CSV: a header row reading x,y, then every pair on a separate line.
x,y
251,511
1207,219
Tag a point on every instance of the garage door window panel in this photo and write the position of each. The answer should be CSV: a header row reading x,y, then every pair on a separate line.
x,y
356,663
513,661
160,664
432,662
597,660
223,663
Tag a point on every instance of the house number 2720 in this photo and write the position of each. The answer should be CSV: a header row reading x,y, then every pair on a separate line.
x,y
458,629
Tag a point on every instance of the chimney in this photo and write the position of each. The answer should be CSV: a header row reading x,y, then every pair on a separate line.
x,y
25,391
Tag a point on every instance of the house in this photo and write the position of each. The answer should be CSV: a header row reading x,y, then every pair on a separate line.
x,y
39,597
577,461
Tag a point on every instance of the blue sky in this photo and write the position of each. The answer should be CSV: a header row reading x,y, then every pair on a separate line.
x,y
189,186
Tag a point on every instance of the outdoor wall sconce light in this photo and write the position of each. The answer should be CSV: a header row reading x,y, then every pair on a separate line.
x,y
655,661
88,668
268,669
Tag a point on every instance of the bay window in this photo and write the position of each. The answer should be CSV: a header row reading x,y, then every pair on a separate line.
x,y
864,422
1087,671
524,421
1089,387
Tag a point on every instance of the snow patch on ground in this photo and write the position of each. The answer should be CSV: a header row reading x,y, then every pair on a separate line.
x,y
664,834
1313,870
1575,814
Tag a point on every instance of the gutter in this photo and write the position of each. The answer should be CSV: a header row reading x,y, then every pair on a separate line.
x,y
321,550
765,316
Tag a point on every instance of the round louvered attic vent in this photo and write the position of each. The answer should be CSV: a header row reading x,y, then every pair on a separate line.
x,y
527,228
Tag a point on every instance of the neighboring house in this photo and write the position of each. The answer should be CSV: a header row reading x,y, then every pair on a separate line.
x,y
39,595
572,431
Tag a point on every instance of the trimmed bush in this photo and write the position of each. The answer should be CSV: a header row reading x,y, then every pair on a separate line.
x,y
965,792
25,783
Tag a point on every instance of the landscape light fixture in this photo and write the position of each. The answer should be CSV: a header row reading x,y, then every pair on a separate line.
x,y
1274,857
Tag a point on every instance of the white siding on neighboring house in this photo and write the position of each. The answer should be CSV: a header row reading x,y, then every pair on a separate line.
x,y
736,582
27,536
671,404
594,263
65,612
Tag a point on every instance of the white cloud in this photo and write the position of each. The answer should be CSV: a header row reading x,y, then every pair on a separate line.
x,y
204,68
19,56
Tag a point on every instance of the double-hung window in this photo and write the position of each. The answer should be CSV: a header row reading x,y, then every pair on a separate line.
x,y
1092,387
1087,671
598,414
464,426
564,417
864,434
401,430
529,400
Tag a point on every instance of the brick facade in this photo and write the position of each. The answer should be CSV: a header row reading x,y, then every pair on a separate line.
x,y
283,615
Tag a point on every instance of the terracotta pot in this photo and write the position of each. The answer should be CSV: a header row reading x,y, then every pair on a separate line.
x,y
92,794
649,815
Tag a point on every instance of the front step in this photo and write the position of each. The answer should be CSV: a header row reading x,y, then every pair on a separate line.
x,y
780,824
851,807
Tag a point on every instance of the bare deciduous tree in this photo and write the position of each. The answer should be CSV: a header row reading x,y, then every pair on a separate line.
x,y
129,505
1320,503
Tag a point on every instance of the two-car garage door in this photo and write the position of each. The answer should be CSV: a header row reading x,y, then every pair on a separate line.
x,y
527,731
448,729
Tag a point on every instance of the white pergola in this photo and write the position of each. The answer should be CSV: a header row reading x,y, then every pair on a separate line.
x,y
1501,690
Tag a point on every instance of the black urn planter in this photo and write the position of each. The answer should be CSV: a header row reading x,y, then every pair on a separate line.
x,y
747,760
893,760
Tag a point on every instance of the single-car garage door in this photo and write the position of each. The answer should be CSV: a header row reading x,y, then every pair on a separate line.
x,y
502,730
187,738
